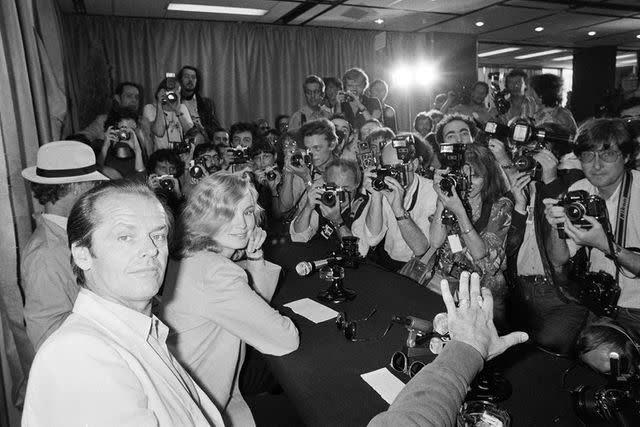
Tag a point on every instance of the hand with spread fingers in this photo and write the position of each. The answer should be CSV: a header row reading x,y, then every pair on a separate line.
x,y
471,321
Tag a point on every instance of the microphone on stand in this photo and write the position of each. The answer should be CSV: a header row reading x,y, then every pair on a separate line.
x,y
305,268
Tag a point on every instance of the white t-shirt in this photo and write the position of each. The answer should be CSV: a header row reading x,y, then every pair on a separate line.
x,y
173,127
630,295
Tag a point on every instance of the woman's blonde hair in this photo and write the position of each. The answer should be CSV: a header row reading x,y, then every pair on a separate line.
x,y
211,204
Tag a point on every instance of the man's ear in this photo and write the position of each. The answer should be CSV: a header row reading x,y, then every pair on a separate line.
x,y
116,98
416,163
81,256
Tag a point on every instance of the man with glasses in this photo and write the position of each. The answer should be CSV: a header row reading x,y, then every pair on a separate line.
x,y
604,147
313,87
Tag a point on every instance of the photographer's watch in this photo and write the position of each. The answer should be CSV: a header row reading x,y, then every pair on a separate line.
x,y
405,215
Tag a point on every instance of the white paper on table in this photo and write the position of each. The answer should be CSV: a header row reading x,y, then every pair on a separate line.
x,y
384,383
312,310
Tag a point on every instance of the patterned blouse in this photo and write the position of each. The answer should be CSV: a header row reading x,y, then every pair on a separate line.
x,y
450,265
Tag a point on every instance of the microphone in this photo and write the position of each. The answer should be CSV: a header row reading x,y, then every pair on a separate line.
x,y
414,323
305,268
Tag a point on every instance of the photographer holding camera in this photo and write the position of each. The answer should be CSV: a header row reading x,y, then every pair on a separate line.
x,y
169,127
304,167
469,232
551,320
121,147
267,177
242,135
604,146
354,104
164,169
396,217
331,209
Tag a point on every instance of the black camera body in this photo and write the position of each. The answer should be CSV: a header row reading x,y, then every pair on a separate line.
x,y
452,156
183,147
301,158
497,130
239,155
579,203
348,96
598,291
166,182
524,161
331,194
617,402
365,156
398,172
456,180
500,99
405,147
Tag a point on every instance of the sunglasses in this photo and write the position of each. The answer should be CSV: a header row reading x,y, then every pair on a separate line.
x,y
607,156
350,327
400,362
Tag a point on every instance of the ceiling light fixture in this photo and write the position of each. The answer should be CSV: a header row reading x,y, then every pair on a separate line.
x,y
592,33
538,29
224,10
479,24
563,58
626,55
497,52
379,21
536,54
638,36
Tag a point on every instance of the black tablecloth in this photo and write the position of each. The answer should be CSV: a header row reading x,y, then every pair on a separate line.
x,y
322,378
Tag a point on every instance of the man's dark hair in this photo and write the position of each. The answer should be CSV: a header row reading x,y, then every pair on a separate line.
x,y
115,115
613,335
279,117
597,134
424,150
196,89
318,127
435,116
516,72
313,79
49,193
259,146
341,116
84,219
356,74
204,148
165,155
548,87
221,130
473,129
332,81
243,127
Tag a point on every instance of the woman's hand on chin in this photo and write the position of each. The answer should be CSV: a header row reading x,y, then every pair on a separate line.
x,y
256,239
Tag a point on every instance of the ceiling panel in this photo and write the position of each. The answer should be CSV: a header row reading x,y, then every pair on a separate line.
x,y
411,21
494,18
537,4
606,12
442,6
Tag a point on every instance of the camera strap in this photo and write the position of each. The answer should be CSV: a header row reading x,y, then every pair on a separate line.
x,y
623,209
414,197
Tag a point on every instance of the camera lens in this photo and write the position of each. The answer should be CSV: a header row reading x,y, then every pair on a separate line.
x,y
415,368
271,175
196,171
574,211
378,183
328,198
524,163
447,184
296,160
172,97
167,184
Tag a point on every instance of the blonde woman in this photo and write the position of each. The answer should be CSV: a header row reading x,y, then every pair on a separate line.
x,y
215,304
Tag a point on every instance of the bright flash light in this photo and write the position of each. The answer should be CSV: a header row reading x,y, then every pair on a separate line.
x,y
425,74
402,76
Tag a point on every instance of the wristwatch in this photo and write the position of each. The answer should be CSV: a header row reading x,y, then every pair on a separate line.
x,y
405,215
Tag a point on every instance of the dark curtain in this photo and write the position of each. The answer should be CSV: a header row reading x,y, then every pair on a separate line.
x,y
249,70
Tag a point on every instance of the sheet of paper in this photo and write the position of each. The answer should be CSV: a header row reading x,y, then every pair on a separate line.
x,y
384,383
312,310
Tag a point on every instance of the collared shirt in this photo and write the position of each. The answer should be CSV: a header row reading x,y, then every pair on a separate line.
x,y
109,365
50,287
630,295
394,243
192,106
296,121
60,221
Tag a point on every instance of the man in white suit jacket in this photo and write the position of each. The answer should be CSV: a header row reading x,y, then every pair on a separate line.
x,y
108,363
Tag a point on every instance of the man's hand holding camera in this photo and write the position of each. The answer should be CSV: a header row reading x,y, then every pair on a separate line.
x,y
394,195
453,202
594,237
549,164
167,182
301,171
519,182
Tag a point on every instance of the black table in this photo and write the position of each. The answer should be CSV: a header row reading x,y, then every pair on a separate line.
x,y
322,378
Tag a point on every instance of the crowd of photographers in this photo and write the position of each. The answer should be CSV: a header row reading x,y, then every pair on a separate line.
x,y
501,182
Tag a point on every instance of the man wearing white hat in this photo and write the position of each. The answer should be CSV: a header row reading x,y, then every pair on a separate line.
x,y
64,171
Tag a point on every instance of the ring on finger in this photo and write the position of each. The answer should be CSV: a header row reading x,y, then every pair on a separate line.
x,y
463,303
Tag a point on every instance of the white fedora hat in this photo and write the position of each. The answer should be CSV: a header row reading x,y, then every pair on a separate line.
x,y
63,162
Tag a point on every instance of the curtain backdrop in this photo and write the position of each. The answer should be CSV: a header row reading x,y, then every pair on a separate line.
x,y
249,70
32,112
